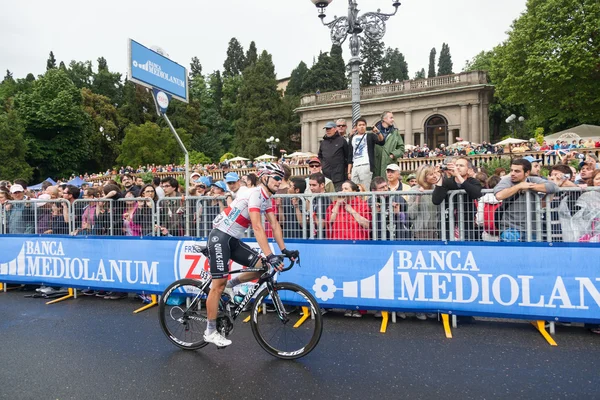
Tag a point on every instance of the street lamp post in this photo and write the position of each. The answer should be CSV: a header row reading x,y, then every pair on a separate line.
x,y
373,26
512,122
272,143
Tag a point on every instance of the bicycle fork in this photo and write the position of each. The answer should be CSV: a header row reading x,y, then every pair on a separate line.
x,y
279,307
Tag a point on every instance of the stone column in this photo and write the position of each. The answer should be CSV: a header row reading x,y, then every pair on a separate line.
x,y
485,114
305,134
314,142
422,139
408,129
475,130
464,122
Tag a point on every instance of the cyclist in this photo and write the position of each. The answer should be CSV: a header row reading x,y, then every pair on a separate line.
x,y
224,243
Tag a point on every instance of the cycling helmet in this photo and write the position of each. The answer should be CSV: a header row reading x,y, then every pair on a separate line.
x,y
271,169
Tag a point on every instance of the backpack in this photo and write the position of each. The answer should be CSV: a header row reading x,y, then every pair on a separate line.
x,y
490,225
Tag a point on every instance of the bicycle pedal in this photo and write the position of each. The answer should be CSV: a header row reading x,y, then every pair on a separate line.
x,y
221,347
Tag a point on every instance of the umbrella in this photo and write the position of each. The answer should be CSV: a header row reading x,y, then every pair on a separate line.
x,y
510,141
265,157
463,143
239,159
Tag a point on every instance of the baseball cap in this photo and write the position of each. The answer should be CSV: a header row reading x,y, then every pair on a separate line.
x,y
42,197
16,188
221,184
314,160
393,167
411,176
232,177
531,159
329,125
194,174
203,180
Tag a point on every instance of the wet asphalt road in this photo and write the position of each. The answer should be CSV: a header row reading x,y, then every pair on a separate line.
x,y
90,348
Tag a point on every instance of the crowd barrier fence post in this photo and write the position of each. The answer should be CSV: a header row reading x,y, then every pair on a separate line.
x,y
446,323
153,303
541,327
384,321
71,294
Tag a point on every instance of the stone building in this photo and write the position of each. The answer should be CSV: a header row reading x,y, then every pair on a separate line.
x,y
434,111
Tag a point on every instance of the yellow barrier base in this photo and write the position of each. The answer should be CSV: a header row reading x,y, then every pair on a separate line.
x,y
541,327
149,305
446,322
305,315
384,321
1,286
247,319
70,295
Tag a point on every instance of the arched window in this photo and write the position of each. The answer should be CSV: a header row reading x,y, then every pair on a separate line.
x,y
436,131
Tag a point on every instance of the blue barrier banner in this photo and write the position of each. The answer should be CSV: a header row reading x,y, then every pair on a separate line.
x,y
153,70
535,281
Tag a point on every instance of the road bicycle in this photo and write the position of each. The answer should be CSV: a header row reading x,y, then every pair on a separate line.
x,y
285,318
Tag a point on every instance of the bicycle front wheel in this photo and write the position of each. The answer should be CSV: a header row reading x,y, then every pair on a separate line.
x,y
298,332
182,314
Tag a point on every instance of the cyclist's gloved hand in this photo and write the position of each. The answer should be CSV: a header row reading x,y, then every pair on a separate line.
x,y
275,261
291,254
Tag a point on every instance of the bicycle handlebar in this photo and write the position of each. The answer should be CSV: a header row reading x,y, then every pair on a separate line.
x,y
292,263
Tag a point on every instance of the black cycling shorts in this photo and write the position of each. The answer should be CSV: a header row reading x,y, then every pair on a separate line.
x,y
222,248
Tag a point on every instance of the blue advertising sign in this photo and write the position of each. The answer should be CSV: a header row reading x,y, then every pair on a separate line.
x,y
153,70
533,281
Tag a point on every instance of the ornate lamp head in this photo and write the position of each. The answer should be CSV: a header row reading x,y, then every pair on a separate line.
x,y
321,5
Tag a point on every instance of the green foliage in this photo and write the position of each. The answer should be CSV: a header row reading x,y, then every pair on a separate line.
x,y
107,83
490,167
395,67
251,55
56,125
259,106
51,63
226,156
294,87
146,177
539,135
13,164
105,134
196,157
445,61
327,74
195,68
372,67
236,60
431,71
550,65
420,74
81,74
150,144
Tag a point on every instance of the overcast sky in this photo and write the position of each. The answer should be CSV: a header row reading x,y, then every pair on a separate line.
x,y
288,29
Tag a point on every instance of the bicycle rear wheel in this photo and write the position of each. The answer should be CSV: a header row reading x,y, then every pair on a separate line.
x,y
299,332
182,314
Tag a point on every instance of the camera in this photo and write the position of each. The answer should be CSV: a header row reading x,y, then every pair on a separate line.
x,y
447,160
580,156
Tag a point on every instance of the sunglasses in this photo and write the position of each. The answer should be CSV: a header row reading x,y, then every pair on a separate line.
x,y
201,186
341,126
314,165
277,178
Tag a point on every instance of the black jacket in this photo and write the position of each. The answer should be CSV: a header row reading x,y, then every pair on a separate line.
x,y
467,207
334,154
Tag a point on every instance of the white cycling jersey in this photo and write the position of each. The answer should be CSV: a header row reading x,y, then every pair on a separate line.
x,y
235,219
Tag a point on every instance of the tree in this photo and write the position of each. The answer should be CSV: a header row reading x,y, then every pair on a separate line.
x,y
236,61
150,144
372,53
107,83
51,63
324,76
420,74
215,85
338,68
81,73
251,54
56,125
195,68
431,72
105,135
395,68
259,105
13,164
445,61
294,87
549,63
8,77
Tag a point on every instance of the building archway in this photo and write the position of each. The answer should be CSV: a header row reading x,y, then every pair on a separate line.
x,y
436,131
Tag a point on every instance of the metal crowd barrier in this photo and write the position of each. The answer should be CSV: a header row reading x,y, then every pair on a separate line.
x,y
571,215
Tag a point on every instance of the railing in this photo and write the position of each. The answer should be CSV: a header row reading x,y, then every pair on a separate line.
x,y
417,85
570,215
